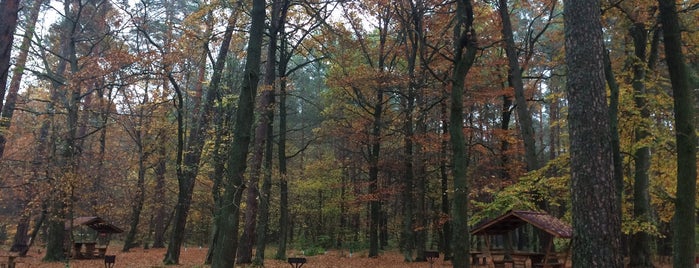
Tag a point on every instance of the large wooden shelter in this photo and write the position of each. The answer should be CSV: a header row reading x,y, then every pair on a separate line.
x,y
90,236
515,219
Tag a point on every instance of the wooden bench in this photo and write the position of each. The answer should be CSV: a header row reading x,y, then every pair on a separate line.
x,y
109,261
431,256
296,262
504,263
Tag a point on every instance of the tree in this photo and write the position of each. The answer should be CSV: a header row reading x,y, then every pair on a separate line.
x,y
8,106
187,172
596,213
515,80
137,126
465,48
262,146
8,23
641,241
68,98
21,235
684,221
227,222
414,223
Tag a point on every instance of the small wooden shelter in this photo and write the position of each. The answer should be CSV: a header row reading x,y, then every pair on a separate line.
x,y
92,233
514,219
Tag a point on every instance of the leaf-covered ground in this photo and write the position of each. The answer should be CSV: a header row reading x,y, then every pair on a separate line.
x,y
194,257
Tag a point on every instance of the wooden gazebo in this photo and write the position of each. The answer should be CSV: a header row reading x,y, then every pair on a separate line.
x,y
92,233
514,219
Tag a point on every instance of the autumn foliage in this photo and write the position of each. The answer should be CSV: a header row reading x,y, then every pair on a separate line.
x,y
130,111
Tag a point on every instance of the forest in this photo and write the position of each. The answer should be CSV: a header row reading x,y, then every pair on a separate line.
x,y
253,126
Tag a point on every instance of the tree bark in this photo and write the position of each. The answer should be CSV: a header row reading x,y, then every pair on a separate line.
x,y
685,207
265,198
465,48
614,126
596,213
228,219
524,117
58,199
445,209
407,239
21,238
279,10
8,107
8,22
262,134
160,210
140,194
640,254
375,143
281,155
374,154
219,165
187,172
407,235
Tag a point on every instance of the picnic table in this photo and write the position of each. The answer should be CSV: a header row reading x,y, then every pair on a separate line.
x,y
8,259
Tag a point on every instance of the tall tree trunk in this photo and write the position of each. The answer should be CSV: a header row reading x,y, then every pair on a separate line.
x,y
375,203
411,239
445,209
55,238
219,164
596,213
685,135
8,107
524,117
407,235
188,170
614,126
140,194
464,56
279,9
21,238
421,235
223,130
60,196
262,134
640,255
227,222
265,195
421,182
281,155
279,12
160,210
8,22
37,226
375,146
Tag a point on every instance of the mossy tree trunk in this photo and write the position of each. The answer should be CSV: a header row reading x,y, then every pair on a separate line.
x,y
227,222
464,56
685,207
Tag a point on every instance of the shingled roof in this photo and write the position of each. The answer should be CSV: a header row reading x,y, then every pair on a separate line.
x,y
96,223
514,219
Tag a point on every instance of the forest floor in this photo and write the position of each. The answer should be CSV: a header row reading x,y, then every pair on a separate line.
x,y
194,257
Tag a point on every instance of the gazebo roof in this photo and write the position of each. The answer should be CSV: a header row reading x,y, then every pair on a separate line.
x,y
514,219
96,223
